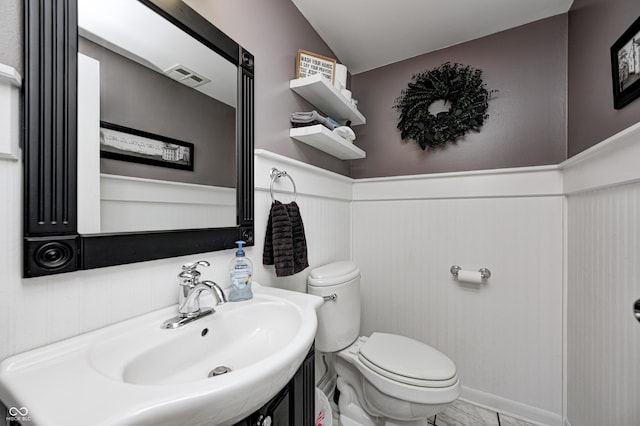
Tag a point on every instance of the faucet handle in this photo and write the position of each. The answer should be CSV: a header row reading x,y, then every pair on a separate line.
x,y
194,266
190,274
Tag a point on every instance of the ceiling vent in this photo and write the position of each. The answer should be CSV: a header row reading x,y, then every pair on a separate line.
x,y
186,76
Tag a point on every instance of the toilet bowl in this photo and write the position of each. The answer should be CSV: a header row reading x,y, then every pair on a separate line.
x,y
395,377
384,379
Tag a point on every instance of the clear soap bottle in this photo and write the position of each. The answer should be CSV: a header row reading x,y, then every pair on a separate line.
x,y
241,273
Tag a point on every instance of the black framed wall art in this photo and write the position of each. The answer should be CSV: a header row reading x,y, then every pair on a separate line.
x,y
126,144
625,66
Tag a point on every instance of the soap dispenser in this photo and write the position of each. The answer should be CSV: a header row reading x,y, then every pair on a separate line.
x,y
241,273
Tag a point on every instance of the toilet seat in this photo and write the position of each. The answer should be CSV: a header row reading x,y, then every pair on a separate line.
x,y
407,361
388,382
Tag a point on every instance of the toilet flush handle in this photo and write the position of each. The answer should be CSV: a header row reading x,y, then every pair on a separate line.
x,y
332,297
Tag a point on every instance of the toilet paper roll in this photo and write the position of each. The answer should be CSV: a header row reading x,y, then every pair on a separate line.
x,y
341,75
470,277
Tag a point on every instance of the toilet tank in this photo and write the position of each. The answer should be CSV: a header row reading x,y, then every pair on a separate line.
x,y
339,319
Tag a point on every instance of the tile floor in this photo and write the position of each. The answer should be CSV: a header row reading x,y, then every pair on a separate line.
x,y
461,413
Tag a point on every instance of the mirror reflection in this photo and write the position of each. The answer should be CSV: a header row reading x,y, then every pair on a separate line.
x,y
164,127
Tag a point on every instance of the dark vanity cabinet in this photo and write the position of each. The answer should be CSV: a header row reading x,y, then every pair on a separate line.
x,y
294,405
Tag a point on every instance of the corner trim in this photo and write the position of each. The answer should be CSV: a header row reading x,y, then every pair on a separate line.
x,y
613,161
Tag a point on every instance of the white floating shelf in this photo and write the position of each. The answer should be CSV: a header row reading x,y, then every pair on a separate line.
x,y
325,140
319,91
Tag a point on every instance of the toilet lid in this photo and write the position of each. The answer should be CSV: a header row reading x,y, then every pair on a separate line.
x,y
407,361
333,273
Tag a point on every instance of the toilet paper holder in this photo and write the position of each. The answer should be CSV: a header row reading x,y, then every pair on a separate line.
x,y
485,273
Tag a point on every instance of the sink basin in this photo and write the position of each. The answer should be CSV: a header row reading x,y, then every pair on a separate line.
x,y
213,371
243,335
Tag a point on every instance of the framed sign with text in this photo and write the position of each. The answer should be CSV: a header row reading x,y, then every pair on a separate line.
x,y
308,63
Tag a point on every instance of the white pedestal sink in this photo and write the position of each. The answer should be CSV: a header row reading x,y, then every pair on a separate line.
x,y
135,373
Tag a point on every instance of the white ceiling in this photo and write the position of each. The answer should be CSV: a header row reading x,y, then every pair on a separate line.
x,y
367,34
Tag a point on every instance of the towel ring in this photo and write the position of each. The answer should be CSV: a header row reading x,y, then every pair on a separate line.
x,y
277,174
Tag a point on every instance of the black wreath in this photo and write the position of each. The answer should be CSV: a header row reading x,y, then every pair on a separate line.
x,y
459,85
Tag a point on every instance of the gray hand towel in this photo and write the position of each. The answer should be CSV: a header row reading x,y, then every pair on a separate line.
x,y
285,243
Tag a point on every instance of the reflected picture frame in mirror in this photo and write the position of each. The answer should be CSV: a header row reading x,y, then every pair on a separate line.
x,y
52,243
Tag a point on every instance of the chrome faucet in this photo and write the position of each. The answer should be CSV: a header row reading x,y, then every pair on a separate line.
x,y
189,296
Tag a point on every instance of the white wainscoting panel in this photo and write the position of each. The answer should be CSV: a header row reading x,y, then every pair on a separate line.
x,y
310,180
38,311
136,204
325,205
505,336
604,282
11,249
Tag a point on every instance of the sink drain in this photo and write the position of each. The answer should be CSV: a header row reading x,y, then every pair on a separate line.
x,y
219,370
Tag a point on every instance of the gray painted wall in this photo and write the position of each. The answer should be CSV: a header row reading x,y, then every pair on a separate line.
x,y
134,96
273,31
527,119
594,25
11,40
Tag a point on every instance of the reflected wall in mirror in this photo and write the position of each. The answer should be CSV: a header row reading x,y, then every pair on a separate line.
x,y
152,67
175,87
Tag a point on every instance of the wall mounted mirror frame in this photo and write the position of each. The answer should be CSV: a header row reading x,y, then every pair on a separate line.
x,y
52,243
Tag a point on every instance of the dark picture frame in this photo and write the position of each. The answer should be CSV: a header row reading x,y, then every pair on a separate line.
x,y
137,146
625,66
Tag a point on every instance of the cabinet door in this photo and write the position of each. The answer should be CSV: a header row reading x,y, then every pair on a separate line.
x,y
294,404
302,393
275,412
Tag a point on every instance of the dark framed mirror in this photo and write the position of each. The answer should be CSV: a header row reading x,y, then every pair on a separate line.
x,y
51,142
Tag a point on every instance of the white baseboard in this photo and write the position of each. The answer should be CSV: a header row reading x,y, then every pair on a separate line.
x,y
512,408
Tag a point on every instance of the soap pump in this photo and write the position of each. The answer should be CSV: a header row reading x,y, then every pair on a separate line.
x,y
241,273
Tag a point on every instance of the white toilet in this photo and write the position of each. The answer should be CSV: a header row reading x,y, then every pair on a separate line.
x,y
384,379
